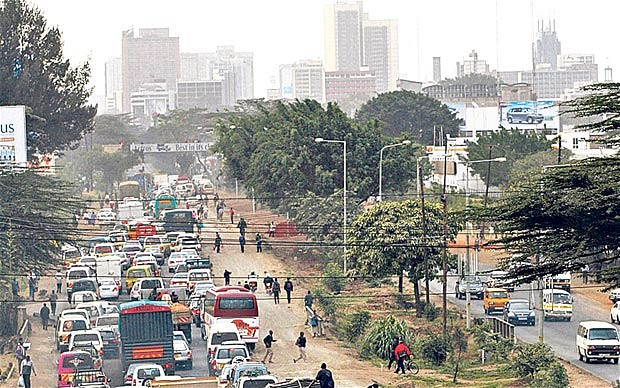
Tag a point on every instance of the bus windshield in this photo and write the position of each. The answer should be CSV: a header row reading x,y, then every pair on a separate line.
x,y
561,298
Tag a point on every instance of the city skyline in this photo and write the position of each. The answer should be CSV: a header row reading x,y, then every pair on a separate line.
x,y
279,32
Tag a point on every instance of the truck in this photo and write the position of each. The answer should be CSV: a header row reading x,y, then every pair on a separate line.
x,y
129,210
182,319
560,281
145,329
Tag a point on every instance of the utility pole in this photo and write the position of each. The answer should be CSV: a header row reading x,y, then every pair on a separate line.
x,y
444,260
424,241
559,149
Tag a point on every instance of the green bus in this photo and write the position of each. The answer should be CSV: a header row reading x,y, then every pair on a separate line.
x,y
164,202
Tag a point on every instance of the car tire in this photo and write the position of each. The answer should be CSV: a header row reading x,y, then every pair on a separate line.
x,y
615,360
190,366
580,355
510,119
587,359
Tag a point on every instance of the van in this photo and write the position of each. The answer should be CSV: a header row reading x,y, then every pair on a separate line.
x,y
103,249
557,304
598,340
66,368
221,331
137,272
495,299
143,287
65,326
76,273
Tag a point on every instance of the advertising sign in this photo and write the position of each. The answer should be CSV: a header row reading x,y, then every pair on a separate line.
x,y
13,134
171,147
541,115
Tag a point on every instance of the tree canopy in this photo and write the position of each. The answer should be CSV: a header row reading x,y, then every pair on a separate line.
x,y
413,114
514,145
34,73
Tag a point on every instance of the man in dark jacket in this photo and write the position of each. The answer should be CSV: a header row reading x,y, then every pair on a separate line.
x,y
288,287
324,377
242,243
242,225
392,354
227,274
276,291
268,340
45,316
218,242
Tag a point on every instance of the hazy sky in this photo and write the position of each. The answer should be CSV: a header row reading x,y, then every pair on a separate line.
x,y
284,31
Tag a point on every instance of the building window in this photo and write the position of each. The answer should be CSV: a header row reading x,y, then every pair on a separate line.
x,y
575,143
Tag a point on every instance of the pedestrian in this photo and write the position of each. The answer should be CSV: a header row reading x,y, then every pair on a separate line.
x,y
232,216
324,377
392,354
401,352
268,340
246,285
314,324
32,285
272,229
585,273
216,198
218,242
15,287
58,277
242,225
276,291
308,299
53,299
301,345
20,352
227,274
242,242
220,214
259,243
45,315
26,369
200,211
288,287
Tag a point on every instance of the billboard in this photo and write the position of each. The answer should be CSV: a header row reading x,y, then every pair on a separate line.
x,y
171,147
541,115
13,135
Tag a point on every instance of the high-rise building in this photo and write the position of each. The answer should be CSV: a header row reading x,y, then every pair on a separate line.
x,y
150,57
343,36
236,70
380,51
150,100
547,46
436,69
472,66
195,67
113,86
199,94
343,85
303,80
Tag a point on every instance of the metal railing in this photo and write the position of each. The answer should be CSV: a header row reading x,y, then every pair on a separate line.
x,y
499,326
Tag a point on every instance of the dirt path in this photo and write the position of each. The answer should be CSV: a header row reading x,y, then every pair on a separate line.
x,y
285,320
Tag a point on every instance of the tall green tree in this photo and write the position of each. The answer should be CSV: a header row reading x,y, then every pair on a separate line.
x,y
514,145
34,73
113,129
388,240
410,113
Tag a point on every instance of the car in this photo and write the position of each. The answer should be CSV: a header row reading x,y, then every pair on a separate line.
x,y
159,255
499,279
175,259
108,289
224,354
597,340
476,288
219,332
191,242
131,249
82,338
110,342
180,279
137,272
141,374
614,295
252,368
87,261
256,381
106,216
76,273
182,354
81,362
172,236
148,260
80,312
107,321
519,312
201,288
181,268
143,287
95,309
195,304
615,313
83,297
65,326
179,335
197,275
523,115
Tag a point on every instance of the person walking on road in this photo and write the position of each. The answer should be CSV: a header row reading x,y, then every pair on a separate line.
x,y
58,277
32,285
314,324
272,229
301,345
288,287
259,243
276,291
242,243
45,315
218,242
227,274
232,216
15,287
27,367
20,353
268,340
308,299
401,352
242,225
392,354
324,377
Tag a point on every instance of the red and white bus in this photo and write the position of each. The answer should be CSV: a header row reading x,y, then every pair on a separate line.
x,y
233,304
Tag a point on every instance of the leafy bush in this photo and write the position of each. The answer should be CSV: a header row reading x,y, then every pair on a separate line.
x,y
380,335
498,346
403,301
356,324
431,312
333,278
329,305
528,359
554,376
435,348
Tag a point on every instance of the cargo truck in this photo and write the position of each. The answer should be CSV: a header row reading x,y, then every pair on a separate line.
x,y
182,319
145,328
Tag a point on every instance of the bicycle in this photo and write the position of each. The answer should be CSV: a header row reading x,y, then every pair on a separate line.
x,y
411,366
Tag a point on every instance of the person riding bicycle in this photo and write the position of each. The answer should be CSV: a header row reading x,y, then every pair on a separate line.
x,y
402,353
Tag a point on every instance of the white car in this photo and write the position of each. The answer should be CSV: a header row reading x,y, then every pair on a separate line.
x,y
141,374
614,295
175,259
105,217
182,354
180,280
87,261
108,289
615,313
201,288
225,352
81,338
107,321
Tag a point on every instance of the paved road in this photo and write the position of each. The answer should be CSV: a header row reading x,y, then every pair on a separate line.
x,y
559,334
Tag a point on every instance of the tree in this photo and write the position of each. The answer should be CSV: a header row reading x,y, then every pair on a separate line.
x,y
471,79
533,163
514,145
388,240
114,129
414,114
34,73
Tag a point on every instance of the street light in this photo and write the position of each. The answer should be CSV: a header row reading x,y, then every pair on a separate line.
x,y
404,142
468,163
344,195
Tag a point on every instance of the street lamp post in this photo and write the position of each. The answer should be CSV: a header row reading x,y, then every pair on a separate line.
x,y
404,142
468,163
344,195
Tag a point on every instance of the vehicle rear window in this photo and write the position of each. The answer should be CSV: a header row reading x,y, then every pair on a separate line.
x,y
256,383
131,248
218,338
199,276
86,338
148,373
71,325
107,334
107,321
497,294
136,273
84,286
236,303
232,353
83,361
150,284
189,241
79,274
105,249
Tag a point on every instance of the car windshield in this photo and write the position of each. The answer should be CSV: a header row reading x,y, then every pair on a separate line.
x,y
148,373
218,338
231,353
256,383
107,321
105,249
561,298
189,241
498,294
519,306
131,248
603,334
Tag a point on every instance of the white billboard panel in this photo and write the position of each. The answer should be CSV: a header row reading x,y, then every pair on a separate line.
x,y
13,134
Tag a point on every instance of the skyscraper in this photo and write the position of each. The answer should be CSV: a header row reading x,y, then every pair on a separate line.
x,y
113,86
343,36
308,80
380,51
436,69
236,70
195,67
547,46
150,57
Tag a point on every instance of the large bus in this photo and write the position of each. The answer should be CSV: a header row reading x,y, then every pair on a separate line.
x,y
164,202
179,220
129,189
145,328
234,304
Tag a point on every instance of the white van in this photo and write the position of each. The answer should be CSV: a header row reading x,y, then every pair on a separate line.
x,y
557,304
221,331
598,340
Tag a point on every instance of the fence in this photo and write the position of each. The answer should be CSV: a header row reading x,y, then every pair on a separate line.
x,y
499,326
